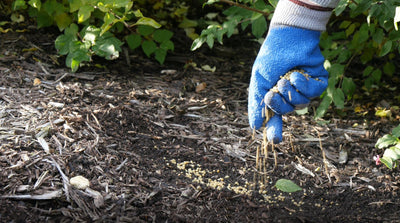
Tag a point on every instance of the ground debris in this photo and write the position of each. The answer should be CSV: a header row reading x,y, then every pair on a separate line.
x,y
155,150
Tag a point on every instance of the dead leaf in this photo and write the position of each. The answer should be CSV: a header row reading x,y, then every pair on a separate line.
x,y
36,82
208,68
200,87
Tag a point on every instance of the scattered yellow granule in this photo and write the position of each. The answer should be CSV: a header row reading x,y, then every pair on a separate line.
x,y
183,164
215,184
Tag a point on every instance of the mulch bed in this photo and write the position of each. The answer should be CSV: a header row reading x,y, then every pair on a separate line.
x,y
171,143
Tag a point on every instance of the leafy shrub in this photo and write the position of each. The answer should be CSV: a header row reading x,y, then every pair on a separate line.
x,y
90,28
360,32
364,33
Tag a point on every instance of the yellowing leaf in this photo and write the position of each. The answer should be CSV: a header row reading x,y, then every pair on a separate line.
x,y
5,30
208,68
383,113
358,109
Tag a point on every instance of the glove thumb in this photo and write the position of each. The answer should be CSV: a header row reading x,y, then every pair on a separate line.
x,y
274,129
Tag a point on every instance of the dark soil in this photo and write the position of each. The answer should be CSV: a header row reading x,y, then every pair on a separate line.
x,y
157,149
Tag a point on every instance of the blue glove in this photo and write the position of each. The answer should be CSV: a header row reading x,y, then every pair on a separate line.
x,y
284,49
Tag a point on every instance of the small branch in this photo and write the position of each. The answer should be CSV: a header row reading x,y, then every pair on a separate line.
x,y
45,196
245,7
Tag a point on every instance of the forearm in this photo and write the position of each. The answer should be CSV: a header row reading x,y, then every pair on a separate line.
x,y
307,14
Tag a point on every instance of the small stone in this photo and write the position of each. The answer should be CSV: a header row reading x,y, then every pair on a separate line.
x,y
79,182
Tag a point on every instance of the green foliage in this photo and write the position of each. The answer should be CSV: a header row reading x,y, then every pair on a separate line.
x,y
360,32
364,33
152,41
91,28
252,17
391,155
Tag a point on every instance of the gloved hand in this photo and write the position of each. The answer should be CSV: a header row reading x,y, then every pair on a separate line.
x,y
285,48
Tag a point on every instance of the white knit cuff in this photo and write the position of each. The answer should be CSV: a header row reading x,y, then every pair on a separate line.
x,y
288,13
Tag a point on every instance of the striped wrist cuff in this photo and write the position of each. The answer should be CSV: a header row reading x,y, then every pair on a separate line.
x,y
302,14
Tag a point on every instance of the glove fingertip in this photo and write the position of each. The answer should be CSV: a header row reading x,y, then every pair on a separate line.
x,y
274,129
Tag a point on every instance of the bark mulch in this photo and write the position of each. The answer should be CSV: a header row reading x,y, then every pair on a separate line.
x,y
171,143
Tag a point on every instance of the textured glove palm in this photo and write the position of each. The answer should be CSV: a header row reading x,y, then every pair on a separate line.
x,y
285,49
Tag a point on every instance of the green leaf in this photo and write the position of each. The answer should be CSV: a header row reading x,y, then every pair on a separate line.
x,y
229,27
107,46
344,24
187,23
389,68
62,20
89,34
385,141
392,153
367,71
387,161
162,35
350,29
386,48
260,5
302,111
84,13
160,55
75,5
121,3
287,186
323,107
62,43
167,45
134,41
396,132
259,27
220,35
348,86
197,43
273,2
336,71
18,5
109,20
52,7
149,47
44,19
145,30
338,98
35,4
103,7
376,75
341,7
361,7
378,36
363,33
210,40
138,13
148,22
74,59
